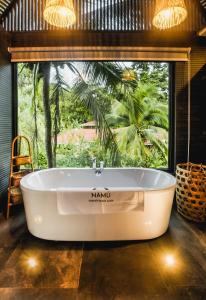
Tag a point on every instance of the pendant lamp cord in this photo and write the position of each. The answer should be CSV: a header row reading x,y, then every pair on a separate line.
x,y
189,108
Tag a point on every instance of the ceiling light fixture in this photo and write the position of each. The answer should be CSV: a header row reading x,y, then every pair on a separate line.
x,y
60,13
169,13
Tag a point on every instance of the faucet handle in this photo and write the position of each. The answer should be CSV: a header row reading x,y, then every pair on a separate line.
x,y
101,165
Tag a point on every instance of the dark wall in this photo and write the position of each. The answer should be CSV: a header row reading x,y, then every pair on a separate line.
x,y
5,115
151,39
198,113
198,107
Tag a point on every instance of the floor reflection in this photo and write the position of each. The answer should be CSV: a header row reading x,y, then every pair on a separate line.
x,y
170,267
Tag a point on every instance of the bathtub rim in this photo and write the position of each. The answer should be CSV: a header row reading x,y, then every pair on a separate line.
x,y
26,187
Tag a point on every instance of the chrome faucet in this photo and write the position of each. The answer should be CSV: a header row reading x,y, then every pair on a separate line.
x,y
101,167
98,171
94,163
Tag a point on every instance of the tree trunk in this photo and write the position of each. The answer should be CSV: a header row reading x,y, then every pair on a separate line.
x,y
45,70
56,113
56,125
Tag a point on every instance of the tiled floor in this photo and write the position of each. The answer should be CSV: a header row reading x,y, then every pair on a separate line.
x,y
170,267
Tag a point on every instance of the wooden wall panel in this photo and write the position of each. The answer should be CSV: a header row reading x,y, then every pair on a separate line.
x,y
85,38
5,116
198,96
198,107
25,54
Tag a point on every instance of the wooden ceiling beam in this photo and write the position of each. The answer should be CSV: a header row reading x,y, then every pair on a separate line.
x,y
202,32
86,38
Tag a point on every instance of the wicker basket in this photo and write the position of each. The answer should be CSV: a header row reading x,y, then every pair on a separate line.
x,y
22,160
16,195
191,191
17,176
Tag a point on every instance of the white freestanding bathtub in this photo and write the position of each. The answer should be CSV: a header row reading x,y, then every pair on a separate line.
x,y
79,205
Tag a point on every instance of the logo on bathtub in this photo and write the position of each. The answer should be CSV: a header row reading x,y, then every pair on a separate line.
x,y
101,197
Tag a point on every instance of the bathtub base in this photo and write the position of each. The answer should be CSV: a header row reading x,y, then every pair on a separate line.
x,y
115,227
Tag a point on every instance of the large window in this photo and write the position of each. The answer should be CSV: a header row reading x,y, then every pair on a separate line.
x,y
115,111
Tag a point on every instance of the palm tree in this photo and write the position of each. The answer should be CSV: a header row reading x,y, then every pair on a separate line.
x,y
41,74
93,89
139,118
99,73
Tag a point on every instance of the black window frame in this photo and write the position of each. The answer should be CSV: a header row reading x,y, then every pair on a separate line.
x,y
171,111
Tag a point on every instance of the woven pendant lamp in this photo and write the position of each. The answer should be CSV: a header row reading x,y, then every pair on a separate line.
x,y
169,13
60,13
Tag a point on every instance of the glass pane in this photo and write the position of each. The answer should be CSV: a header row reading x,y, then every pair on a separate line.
x,y
115,111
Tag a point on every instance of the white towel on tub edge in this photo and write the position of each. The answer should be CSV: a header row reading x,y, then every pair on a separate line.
x,y
98,202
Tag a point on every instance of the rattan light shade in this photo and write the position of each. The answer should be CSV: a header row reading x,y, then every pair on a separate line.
x,y
60,13
169,13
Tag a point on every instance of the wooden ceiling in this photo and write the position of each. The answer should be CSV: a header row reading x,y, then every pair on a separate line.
x,y
96,15
6,5
203,2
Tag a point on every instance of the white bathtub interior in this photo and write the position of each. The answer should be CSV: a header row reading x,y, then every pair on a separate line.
x,y
112,179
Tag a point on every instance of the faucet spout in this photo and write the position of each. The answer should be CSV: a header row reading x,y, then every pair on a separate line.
x,y
94,163
97,171
101,166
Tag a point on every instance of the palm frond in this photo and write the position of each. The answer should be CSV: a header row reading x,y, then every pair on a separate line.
x,y
116,121
88,95
103,73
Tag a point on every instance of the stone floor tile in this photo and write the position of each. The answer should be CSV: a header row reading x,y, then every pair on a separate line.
x,y
41,264
37,294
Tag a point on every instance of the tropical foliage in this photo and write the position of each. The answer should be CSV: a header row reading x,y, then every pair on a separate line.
x,y
131,116
141,122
